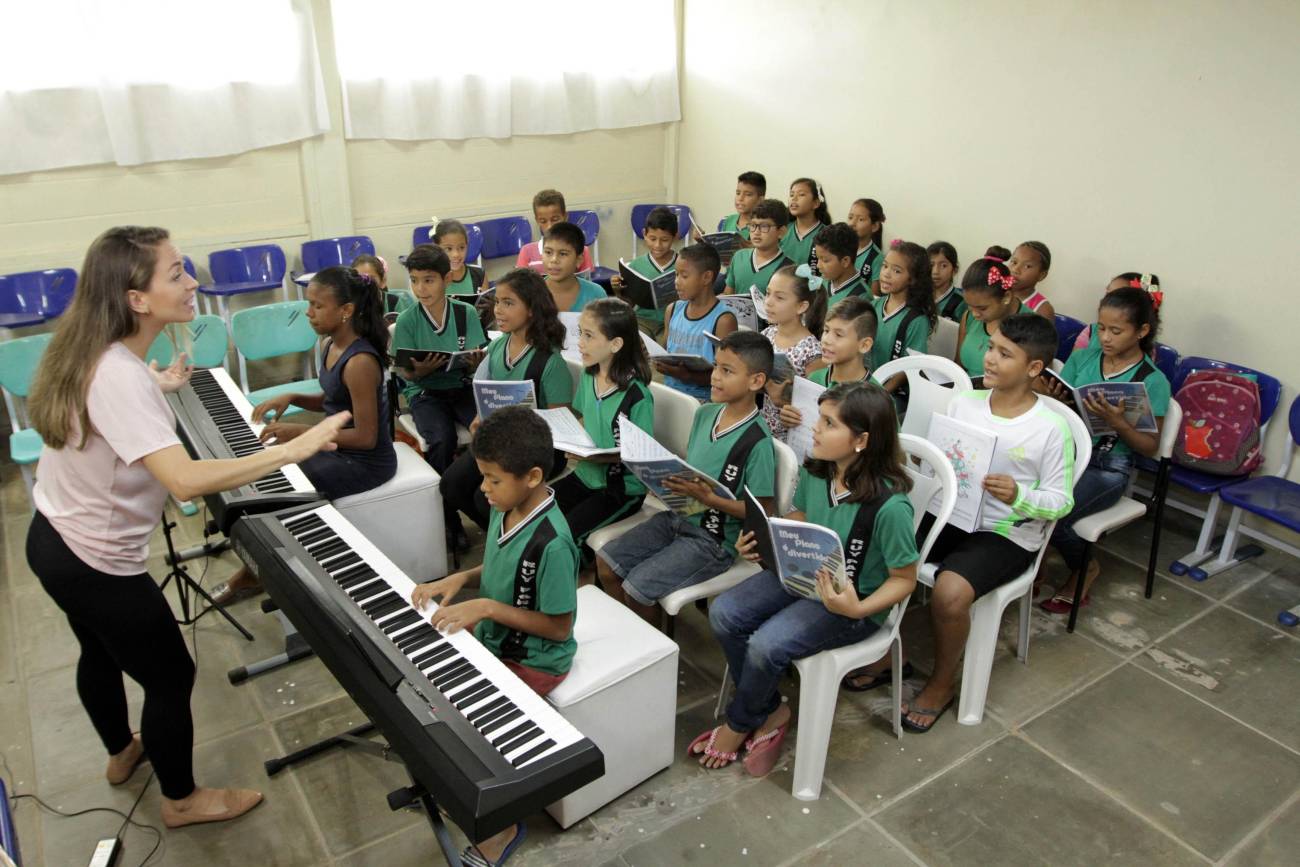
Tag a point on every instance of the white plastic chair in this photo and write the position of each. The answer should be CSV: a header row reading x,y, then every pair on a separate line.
x,y
986,613
943,339
674,415
821,673
925,396
1127,509
787,477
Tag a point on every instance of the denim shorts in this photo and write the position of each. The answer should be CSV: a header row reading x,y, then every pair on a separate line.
x,y
664,554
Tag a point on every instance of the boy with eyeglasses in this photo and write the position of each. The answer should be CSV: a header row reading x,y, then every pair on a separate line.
x,y
754,266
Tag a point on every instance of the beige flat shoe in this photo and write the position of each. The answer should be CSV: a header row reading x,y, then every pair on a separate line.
x,y
116,774
222,806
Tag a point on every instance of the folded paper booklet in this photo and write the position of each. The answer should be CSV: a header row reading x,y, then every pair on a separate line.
x,y
685,359
724,242
459,360
794,551
1132,396
569,435
647,294
492,394
653,464
570,322
803,397
970,451
748,308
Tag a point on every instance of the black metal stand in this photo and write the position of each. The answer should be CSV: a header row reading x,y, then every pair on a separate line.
x,y
398,799
185,586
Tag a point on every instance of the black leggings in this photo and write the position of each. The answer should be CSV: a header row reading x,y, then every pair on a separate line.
x,y
124,625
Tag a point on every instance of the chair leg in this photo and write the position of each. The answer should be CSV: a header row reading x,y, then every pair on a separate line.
x,y
896,664
723,689
1078,587
1204,543
817,696
1026,614
1230,554
1158,517
977,667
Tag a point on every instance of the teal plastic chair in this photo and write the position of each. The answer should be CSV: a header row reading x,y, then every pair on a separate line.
x,y
269,331
209,343
18,362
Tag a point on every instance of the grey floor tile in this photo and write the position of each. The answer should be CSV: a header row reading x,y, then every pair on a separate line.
x,y
998,807
1276,844
862,843
1278,591
1122,618
66,751
1182,764
1247,670
760,824
45,641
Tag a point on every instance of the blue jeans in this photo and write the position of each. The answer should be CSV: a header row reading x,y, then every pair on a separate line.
x,y
664,554
435,414
1100,487
762,629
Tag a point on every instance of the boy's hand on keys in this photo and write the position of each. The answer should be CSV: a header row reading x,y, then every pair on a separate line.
x,y
690,486
1001,487
463,615
443,590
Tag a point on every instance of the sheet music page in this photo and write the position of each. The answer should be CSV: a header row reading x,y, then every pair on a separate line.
x,y
803,397
565,427
637,445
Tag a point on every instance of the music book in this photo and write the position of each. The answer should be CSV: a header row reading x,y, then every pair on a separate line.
x,y
804,394
794,551
653,294
569,435
745,307
493,394
970,451
459,360
726,243
653,464
685,359
1132,396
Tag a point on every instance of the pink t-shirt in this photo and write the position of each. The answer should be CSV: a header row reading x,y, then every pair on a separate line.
x,y
531,257
102,499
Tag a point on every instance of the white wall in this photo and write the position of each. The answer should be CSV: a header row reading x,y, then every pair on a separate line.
x,y
1126,134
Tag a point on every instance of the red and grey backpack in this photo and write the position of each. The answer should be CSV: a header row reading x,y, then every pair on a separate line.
x,y
1221,417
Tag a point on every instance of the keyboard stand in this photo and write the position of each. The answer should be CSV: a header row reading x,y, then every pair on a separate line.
x,y
398,799
185,585
295,648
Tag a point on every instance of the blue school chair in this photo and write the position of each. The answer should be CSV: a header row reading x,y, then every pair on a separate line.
x,y
208,341
269,331
18,362
1270,394
20,301
1274,498
57,287
1067,331
188,264
504,236
240,270
722,223
589,223
1167,360
324,252
474,239
640,212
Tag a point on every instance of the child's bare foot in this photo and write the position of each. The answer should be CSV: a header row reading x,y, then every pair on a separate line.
x,y
208,805
495,846
922,712
718,748
123,765
871,676
1063,600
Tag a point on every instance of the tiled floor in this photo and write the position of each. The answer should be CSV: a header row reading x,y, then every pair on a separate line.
x,y
1166,731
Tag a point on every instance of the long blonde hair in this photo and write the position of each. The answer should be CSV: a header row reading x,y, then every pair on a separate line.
x,y
121,259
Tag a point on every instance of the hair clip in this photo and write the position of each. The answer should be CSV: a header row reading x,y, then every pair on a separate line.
x,y
1005,282
362,276
1148,284
896,243
805,271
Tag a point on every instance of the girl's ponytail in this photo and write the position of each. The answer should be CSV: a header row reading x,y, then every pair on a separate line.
x,y
350,286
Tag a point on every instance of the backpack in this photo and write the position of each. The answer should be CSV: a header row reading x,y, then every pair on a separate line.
x,y
1220,432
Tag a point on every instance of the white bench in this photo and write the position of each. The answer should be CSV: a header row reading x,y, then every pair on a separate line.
x,y
622,694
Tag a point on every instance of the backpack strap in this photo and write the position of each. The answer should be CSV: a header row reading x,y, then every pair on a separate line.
x,y
536,367
476,275
713,521
526,593
873,253
910,315
459,315
859,539
950,306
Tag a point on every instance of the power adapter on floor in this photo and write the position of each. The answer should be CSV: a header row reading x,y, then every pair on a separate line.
x,y
106,852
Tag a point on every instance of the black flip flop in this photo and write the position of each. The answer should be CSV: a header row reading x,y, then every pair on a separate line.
x,y
919,729
881,679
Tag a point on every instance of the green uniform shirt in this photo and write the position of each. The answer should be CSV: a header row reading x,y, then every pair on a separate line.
x,y
893,536
600,419
855,286
533,567
711,453
470,283
587,292
731,223
952,305
800,250
649,269
973,346
917,337
741,274
1084,368
415,329
869,262
822,376
556,381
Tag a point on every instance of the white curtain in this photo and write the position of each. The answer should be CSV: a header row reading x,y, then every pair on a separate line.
x,y
135,81
458,69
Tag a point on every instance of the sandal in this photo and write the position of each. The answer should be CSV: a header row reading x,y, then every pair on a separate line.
x,y
223,594
1061,603
919,729
886,676
708,738
472,857
762,752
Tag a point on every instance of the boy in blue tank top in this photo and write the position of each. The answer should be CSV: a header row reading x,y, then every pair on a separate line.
x,y
695,313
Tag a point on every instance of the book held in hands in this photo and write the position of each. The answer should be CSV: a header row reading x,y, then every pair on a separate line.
x,y
970,451
653,464
568,434
1132,397
459,360
647,294
794,551
493,394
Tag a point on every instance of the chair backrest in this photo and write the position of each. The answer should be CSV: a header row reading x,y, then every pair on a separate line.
x,y
17,295
188,264
19,359
1079,432
674,415
1169,426
269,330
943,339
324,252
787,477
589,223
575,370
504,236
1167,360
1067,330
1270,389
40,293
261,263
925,396
640,212
473,240
208,341
421,235
925,486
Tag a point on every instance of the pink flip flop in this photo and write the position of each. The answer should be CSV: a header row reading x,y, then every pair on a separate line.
x,y
762,752
708,738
